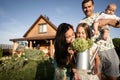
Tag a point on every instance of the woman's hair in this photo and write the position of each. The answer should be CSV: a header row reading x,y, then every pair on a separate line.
x,y
86,28
61,46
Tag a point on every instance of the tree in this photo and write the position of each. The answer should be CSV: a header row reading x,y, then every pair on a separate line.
x,y
116,42
1,52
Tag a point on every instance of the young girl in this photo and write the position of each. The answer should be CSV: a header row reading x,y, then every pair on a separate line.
x,y
83,31
64,57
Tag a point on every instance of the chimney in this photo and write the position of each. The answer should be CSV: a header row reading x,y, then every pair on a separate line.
x,y
46,17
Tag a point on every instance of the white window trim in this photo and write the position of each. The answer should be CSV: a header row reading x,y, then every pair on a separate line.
x,y
42,28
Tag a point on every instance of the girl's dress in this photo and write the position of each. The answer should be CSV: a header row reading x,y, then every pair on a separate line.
x,y
109,58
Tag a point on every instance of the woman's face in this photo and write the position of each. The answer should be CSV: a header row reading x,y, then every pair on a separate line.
x,y
70,36
81,33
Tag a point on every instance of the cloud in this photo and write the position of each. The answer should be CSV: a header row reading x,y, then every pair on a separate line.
x,y
62,10
2,13
59,10
10,28
12,25
4,39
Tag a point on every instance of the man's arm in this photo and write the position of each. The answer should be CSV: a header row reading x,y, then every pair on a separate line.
x,y
95,28
111,22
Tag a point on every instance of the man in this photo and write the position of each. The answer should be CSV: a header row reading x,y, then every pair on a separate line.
x,y
110,65
88,9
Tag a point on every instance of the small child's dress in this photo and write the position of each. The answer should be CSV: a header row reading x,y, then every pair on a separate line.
x,y
109,58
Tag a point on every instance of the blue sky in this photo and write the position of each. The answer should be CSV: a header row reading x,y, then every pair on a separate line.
x,y
16,16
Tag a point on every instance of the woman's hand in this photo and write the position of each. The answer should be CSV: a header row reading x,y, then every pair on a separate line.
x,y
76,77
70,51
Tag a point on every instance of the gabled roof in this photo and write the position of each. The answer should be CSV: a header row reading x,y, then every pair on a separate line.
x,y
46,19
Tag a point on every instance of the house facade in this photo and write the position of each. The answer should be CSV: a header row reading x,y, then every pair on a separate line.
x,y
40,36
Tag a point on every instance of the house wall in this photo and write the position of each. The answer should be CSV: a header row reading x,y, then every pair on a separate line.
x,y
46,47
34,31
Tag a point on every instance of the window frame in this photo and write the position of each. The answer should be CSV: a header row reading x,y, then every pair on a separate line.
x,y
42,28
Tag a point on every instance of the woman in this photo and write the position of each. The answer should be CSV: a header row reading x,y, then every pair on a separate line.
x,y
64,57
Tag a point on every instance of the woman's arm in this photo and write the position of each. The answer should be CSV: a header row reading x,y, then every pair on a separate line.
x,y
76,77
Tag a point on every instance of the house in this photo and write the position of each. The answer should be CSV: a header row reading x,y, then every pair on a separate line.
x,y
40,36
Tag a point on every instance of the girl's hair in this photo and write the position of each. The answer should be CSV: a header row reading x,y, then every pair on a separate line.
x,y
61,46
86,28
103,30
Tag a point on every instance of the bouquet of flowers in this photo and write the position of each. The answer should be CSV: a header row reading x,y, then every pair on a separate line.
x,y
81,45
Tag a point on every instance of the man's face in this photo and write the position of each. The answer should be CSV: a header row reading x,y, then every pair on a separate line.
x,y
88,9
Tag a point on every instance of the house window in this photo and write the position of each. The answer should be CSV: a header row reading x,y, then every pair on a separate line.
x,y
42,28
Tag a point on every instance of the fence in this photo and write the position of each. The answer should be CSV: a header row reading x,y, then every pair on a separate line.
x,y
7,49
6,46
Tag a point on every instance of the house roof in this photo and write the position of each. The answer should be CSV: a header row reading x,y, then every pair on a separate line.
x,y
33,38
46,19
38,37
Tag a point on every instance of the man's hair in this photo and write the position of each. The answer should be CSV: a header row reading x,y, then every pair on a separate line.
x,y
85,1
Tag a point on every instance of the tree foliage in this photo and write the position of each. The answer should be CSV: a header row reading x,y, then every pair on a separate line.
x,y
1,52
116,42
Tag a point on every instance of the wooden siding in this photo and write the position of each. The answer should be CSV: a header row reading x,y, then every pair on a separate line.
x,y
35,33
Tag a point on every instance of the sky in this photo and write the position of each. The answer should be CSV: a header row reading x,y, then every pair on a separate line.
x,y
17,16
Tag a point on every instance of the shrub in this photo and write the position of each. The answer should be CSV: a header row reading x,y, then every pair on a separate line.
x,y
116,42
1,52
31,65
34,54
